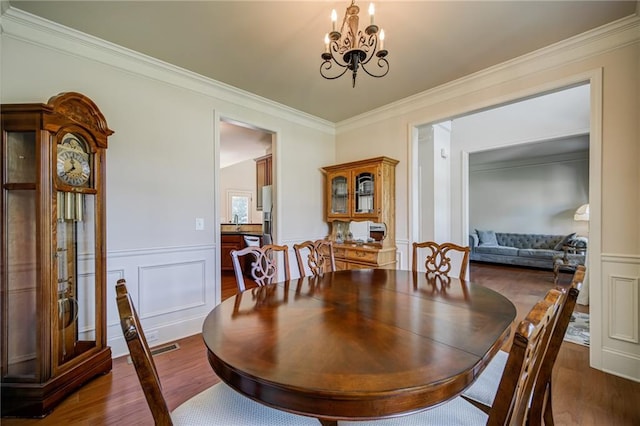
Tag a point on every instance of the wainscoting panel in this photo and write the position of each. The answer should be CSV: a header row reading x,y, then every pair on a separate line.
x,y
623,294
403,255
173,289
620,316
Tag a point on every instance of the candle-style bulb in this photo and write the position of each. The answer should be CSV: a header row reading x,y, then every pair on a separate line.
x,y
372,11
326,43
334,19
381,39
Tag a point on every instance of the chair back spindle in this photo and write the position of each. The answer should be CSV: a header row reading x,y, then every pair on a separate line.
x,y
264,264
541,410
438,260
511,404
319,257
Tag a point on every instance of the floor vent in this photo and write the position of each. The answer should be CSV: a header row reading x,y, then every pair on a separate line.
x,y
160,350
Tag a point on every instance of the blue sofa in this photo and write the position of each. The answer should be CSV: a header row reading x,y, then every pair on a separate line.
x,y
535,250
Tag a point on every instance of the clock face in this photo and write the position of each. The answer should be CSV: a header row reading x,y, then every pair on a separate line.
x,y
73,162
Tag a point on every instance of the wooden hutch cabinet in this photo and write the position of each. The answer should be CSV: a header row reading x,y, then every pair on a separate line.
x,y
53,259
362,191
263,177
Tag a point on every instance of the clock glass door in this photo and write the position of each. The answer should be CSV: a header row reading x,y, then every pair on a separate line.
x,y
75,250
19,265
76,281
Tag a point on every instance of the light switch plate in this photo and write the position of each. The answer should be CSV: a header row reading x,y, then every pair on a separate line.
x,y
199,224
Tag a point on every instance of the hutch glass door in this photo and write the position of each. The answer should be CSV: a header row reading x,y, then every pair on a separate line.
x,y
339,195
364,193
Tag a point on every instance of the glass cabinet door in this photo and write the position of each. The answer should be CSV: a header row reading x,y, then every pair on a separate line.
x,y
365,199
20,266
339,197
364,192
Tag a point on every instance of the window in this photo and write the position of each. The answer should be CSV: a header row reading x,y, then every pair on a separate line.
x,y
239,203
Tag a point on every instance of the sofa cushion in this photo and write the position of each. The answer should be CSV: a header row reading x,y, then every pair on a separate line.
x,y
506,251
525,241
541,253
565,241
487,238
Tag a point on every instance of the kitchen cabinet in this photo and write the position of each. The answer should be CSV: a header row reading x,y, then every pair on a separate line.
x,y
230,242
263,177
362,191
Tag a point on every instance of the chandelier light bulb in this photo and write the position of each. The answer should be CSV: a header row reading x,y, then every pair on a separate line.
x,y
381,39
326,42
372,11
334,19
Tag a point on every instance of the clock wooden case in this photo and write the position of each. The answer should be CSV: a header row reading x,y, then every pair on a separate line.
x,y
53,260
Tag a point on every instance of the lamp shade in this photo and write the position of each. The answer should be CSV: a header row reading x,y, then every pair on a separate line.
x,y
582,213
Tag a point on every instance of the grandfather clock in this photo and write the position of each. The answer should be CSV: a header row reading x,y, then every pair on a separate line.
x,y
53,261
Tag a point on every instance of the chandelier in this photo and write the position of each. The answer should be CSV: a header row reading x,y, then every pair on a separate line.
x,y
353,49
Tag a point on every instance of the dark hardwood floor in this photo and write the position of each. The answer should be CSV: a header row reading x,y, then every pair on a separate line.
x,y
581,394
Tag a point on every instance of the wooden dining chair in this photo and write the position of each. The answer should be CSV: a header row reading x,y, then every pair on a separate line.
x,y
483,392
319,256
515,385
438,260
264,264
218,405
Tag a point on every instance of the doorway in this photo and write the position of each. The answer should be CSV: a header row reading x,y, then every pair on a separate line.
x,y
239,200
458,157
507,136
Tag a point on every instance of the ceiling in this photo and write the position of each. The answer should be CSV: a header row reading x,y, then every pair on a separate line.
x,y
239,143
272,48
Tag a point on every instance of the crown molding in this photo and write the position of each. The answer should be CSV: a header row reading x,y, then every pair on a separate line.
x,y
33,29
595,42
531,162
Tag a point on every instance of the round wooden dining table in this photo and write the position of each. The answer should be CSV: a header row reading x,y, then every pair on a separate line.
x,y
357,344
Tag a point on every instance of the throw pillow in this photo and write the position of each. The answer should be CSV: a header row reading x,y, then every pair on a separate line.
x,y
487,238
563,242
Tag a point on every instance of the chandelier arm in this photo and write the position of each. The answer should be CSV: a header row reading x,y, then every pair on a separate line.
x,y
383,64
328,65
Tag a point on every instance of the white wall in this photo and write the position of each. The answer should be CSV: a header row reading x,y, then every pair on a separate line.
x,y
537,196
433,161
609,58
162,169
238,177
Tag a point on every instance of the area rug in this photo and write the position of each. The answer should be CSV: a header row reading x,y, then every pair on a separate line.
x,y
578,330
